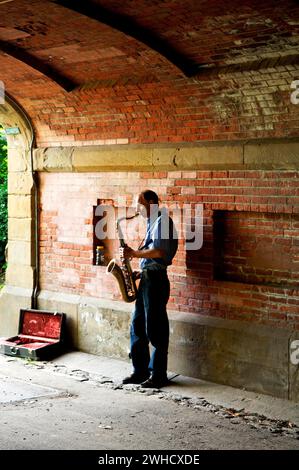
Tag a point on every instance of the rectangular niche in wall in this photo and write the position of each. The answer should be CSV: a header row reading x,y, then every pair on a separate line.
x,y
256,248
103,249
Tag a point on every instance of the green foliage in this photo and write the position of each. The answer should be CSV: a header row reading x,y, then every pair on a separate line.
x,y
3,197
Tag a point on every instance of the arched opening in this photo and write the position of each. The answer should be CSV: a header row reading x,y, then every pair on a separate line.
x,y
21,260
3,204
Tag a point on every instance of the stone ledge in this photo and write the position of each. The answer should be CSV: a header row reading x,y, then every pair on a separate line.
x,y
250,356
279,156
254,154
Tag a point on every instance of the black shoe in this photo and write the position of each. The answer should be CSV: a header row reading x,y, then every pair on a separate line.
x,y
135,379
155,382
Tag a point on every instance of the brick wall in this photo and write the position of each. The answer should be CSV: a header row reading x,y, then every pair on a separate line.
x,y
67,201
239,106
256,247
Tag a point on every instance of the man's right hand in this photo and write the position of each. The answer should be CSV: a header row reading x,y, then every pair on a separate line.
x,y
137,275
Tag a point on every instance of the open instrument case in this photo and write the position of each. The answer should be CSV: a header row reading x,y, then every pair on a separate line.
x,y
41,335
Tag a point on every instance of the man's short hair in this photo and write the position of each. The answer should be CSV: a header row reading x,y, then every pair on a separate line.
x,y
150,195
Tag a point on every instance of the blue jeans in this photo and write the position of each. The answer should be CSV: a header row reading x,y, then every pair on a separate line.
x,y
150,324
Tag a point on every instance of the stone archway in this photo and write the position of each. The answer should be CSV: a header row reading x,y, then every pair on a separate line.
x,y
19,281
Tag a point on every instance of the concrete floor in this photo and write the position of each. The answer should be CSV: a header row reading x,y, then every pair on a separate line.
x,y
77,402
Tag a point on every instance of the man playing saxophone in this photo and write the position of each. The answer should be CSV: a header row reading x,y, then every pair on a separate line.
x,y
149,320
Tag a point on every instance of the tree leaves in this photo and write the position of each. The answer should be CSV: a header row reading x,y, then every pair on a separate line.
x,y
3,197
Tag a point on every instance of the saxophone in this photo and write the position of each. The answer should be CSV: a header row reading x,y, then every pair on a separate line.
x,y
123,273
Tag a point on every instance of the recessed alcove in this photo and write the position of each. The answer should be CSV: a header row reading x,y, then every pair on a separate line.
x,y
256,247
101,217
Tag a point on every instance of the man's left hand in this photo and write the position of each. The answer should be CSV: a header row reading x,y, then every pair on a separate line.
x,y
126,253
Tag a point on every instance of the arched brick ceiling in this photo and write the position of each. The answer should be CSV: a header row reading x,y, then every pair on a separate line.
x,y
73,46
147,62
61,40
204,31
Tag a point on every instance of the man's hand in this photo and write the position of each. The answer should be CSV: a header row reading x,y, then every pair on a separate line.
x,y
126,253
137,275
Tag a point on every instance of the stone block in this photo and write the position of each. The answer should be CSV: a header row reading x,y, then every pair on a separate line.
x,y
63,303
20,229
21,252
233,353
18,160
53,159
104,327
203,156
276,155
112,158
20,206
20,183
12,299
19,275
